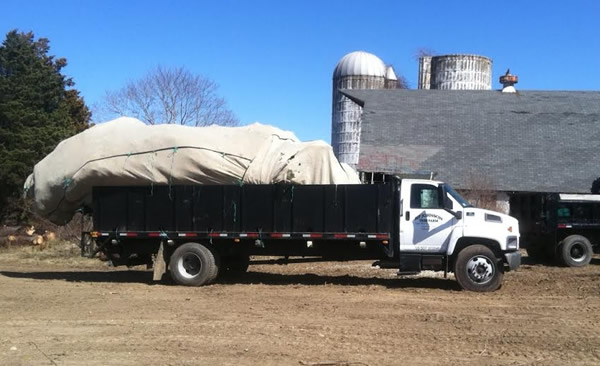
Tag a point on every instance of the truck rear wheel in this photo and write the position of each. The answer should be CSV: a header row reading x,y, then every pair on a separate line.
x,y
575,251
193,264
478,269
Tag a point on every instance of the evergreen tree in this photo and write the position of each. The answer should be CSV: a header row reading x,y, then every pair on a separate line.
x,y
596,186
38,109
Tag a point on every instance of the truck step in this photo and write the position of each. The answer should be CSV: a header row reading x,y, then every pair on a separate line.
x,y
386,264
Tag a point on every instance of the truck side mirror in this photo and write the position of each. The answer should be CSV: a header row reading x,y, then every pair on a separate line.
x,y
448,204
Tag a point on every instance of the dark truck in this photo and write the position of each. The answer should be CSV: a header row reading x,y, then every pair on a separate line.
x,y
200,231
566,229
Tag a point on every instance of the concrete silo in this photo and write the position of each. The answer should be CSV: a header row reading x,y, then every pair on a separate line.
x,y
391,80
455,72
356,70
425,72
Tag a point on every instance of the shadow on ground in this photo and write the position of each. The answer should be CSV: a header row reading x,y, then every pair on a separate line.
x,y
87,276
539,262
312,279
551,262
275,279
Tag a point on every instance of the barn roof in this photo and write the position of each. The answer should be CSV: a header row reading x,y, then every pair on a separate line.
x,y
536,141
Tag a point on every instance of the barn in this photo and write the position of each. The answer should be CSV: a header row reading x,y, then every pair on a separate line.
x,y
517,145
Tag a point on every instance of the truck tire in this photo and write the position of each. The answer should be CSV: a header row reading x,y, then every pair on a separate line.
x,y
478,269
217,269
193,264
575,251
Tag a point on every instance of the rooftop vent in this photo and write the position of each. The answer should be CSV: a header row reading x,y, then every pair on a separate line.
x,y
508,82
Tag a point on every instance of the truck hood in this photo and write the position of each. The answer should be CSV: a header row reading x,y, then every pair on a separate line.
x,y
478,216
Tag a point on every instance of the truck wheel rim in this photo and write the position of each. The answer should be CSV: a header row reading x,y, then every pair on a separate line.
x,y
189,265
480,269
577,252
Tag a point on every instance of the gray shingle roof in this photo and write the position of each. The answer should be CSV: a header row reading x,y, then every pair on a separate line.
x,y
536,141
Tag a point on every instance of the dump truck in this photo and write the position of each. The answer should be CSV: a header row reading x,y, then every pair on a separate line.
x,y
199,232
566,229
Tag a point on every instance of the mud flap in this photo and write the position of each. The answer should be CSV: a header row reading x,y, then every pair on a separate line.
x,y
88,245
160,266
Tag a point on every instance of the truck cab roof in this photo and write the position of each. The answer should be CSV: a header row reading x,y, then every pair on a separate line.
x,y
422,181
579,197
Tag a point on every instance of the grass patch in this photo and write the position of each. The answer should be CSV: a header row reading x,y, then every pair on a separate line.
x,y
54,252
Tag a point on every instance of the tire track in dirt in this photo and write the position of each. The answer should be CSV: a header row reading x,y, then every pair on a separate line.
x,y
279,315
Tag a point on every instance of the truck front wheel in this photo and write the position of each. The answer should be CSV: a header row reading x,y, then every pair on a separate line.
x,y
193,264
575,251
478,269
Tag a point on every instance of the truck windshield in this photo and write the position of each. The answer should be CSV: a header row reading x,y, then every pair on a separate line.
x,y
463,202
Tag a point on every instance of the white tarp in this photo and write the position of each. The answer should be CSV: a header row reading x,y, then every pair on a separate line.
x,y
126,151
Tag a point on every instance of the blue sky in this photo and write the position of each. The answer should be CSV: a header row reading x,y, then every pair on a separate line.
x,y
274,60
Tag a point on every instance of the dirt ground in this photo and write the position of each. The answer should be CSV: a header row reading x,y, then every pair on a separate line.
x,y
77,311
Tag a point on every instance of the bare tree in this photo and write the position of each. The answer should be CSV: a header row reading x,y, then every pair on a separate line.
x,y
424,52
402,82
172,96
481,192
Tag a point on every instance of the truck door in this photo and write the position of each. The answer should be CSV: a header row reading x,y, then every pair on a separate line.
x,y
424,226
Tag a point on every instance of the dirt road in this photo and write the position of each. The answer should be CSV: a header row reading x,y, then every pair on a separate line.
x,y
79,312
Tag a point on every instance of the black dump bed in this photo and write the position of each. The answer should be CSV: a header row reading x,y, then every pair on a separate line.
x,y
248,208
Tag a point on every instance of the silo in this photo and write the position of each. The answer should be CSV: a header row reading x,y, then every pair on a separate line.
x,y
455,72
356,70
391,80
461,72
425,72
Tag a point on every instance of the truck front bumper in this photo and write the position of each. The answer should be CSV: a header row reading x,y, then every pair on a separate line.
x,y
513,259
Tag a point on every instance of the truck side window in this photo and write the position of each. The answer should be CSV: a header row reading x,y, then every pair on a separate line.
x,y
583,212
424,196
563,212
596,214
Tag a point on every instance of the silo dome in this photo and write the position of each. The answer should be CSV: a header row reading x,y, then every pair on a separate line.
x,y
360,63
356,70
390,74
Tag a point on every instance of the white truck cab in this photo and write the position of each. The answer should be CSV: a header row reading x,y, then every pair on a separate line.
x,y
437,224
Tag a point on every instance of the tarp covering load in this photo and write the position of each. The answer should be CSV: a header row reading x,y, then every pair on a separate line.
x,y
127,152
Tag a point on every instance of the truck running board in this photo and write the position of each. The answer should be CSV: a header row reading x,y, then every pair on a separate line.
x,y
394,264
406,273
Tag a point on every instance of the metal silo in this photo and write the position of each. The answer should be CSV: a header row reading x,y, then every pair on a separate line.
x,y
455,72
356,70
